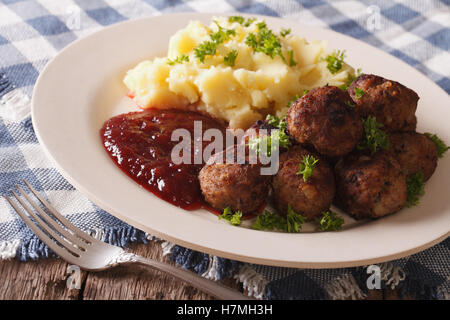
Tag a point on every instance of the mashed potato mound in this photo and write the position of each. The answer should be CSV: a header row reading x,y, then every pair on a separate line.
x,y
256,85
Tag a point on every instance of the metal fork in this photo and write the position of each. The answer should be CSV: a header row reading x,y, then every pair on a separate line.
x,y
79,248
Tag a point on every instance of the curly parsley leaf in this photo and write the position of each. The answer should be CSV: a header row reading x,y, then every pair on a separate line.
x,y
359,93
230,58
330,221
440,145
292,62
179,59
270,143
294,220
335,61
351,77
207,48
269,221
415,188
238,19
295,98
306,166
264,41
374,137
233,218
284,32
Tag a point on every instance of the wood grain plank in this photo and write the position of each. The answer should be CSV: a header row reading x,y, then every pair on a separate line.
x,y
43,279
133,282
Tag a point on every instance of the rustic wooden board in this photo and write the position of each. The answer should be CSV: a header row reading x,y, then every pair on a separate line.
x,y
46,279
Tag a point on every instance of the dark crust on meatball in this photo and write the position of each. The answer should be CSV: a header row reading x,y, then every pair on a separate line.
x,y
390,102
414,152
239,186
323,119
370,187
309,198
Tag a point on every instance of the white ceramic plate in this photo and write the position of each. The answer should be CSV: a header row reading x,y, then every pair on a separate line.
x,y
82,87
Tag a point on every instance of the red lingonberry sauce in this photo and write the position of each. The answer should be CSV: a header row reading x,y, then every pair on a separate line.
x,y
140,144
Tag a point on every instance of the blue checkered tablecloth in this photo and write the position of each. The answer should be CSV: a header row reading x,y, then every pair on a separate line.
x,y
32,32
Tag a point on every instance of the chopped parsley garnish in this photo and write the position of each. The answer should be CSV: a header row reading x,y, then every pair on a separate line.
x,y
269,221
359,93
264,41
238,19
335,61
249,21
440,145
291,58
280,136
179,59
306,166
294,220
415,188
304,92
374,137
207,48
233,218
284,32
330,221
350,79
230,58
272,221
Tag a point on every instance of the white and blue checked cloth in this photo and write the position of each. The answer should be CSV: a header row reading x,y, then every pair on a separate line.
x,y
32,32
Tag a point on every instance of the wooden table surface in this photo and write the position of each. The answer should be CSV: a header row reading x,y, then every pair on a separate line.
x,y
46,279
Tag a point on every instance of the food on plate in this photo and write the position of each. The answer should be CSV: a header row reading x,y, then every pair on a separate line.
x,y
308,109
414,152
239,186
390,102
140,144
304,181
323,119
370,186
237,71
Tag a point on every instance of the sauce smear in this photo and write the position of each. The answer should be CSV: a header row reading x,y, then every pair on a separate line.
x,y
140,144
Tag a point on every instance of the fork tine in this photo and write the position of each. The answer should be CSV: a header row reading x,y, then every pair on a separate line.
x,y
41,235
61,218
52,222
64,242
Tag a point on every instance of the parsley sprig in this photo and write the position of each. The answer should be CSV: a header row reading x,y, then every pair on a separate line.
x,y
233,217
230,58
335,61
306,166
415,188
180,59
284,32
359,93
440,145
351,77
209,48
330,221
374,137
272,221
241,20
279,135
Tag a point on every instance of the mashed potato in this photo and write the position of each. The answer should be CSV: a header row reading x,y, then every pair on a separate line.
x,y
241,91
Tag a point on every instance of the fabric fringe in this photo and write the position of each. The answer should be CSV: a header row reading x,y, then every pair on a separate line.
x,y
344,287
33,248
8,249
253,282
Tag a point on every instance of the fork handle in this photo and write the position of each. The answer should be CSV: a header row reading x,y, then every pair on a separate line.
x,y
208,286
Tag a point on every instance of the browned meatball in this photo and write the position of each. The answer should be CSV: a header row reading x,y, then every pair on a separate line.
x,y
414,152
323,118
239,186
390,102
370,187
309,198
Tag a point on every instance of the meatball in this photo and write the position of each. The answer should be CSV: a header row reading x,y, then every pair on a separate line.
x,y
309,197
324,119
414,152
390,102
370,186
238,186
